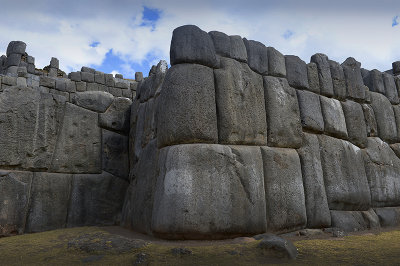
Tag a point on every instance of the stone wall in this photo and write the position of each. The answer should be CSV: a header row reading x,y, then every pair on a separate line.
x,y
240,139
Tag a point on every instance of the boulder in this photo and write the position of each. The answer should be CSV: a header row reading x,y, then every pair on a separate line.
x,y
275,244
257,56
389,216
116,117
296,72
351,221
374,81
283,114
383,171
318,215
209,191
190,44
14,198
345,180
355,123
229,46
313,79
50,195
78,148
338,80
390,88
334,121
240,103
188,113
115,159
284,191
13,60
96,199
370,122
276,63
16,47
354,80
385,118
324,74
396,67
97,101
310,111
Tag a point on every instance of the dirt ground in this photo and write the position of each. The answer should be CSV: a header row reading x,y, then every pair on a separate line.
x,y
118,246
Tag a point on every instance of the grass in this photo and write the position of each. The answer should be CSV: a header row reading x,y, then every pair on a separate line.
x,y
51,248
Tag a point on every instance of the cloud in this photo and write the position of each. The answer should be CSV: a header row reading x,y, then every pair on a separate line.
x,y
288,34
394,21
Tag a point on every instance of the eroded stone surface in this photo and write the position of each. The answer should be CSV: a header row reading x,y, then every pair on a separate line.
x,y
334,121
117,116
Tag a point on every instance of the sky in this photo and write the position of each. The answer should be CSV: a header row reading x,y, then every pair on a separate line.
x,y
127,36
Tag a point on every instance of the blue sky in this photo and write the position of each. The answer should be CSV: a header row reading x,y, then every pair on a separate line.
x,y
126,36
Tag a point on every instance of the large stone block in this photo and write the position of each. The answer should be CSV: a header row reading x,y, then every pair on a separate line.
x,y
151,85
16,47
338,80
383,171
334,121
374,81
190,44
318,215
310,111
355,123
240,103
276,63
389,216
370,121
49,202
313,79
78,147
346,183
283,114
229,46
396,111
257,56
115,156
209,191
385,118
117,115
14,199
324,74
296,72
354,80
13,60
284,191
97,101
30,121
188,113
96,199
351,221
390,88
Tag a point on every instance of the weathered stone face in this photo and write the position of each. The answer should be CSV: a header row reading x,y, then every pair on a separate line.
x,y
385,118
324,74
310,111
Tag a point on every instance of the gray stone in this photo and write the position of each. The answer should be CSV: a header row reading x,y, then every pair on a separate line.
x,y
296,72
345,180
52,72
324,74
115,159
188,113
338,80
92,87
99,78
13,60
109,79
385,118
279,246
116,92
61,84
54,63
30,59
16,47
310,111
396,148
127,93
21,82
122,84
383,171
318,215
355,123
70,86
370,122
257,56
78,147
134,85
390,88
31,68
119,76
14,198
334,120
209,191
313,79
96,199
151,86
48,207
88,70
229,46
396,111
190,44
97,101
80,86
351,221
284,191
354,80
117,115
389,216
87,77
364,73
12,71
374,81
276,63
240,104
7,80
75,76
283,114
47,82
22,72
138,76
396,67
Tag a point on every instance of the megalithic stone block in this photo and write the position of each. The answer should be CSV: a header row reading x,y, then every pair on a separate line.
x,y
396,111
390,88
16,47
389,216
385,118
310,111
188,113
351,221
296,72
370,121
276,63
354,80
116,117
229,46
257,56
324,74
338,80
374,81
355,123
284,191
190,44
313,79
115,156
13,60
283,114
209,191
334,121
240,104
